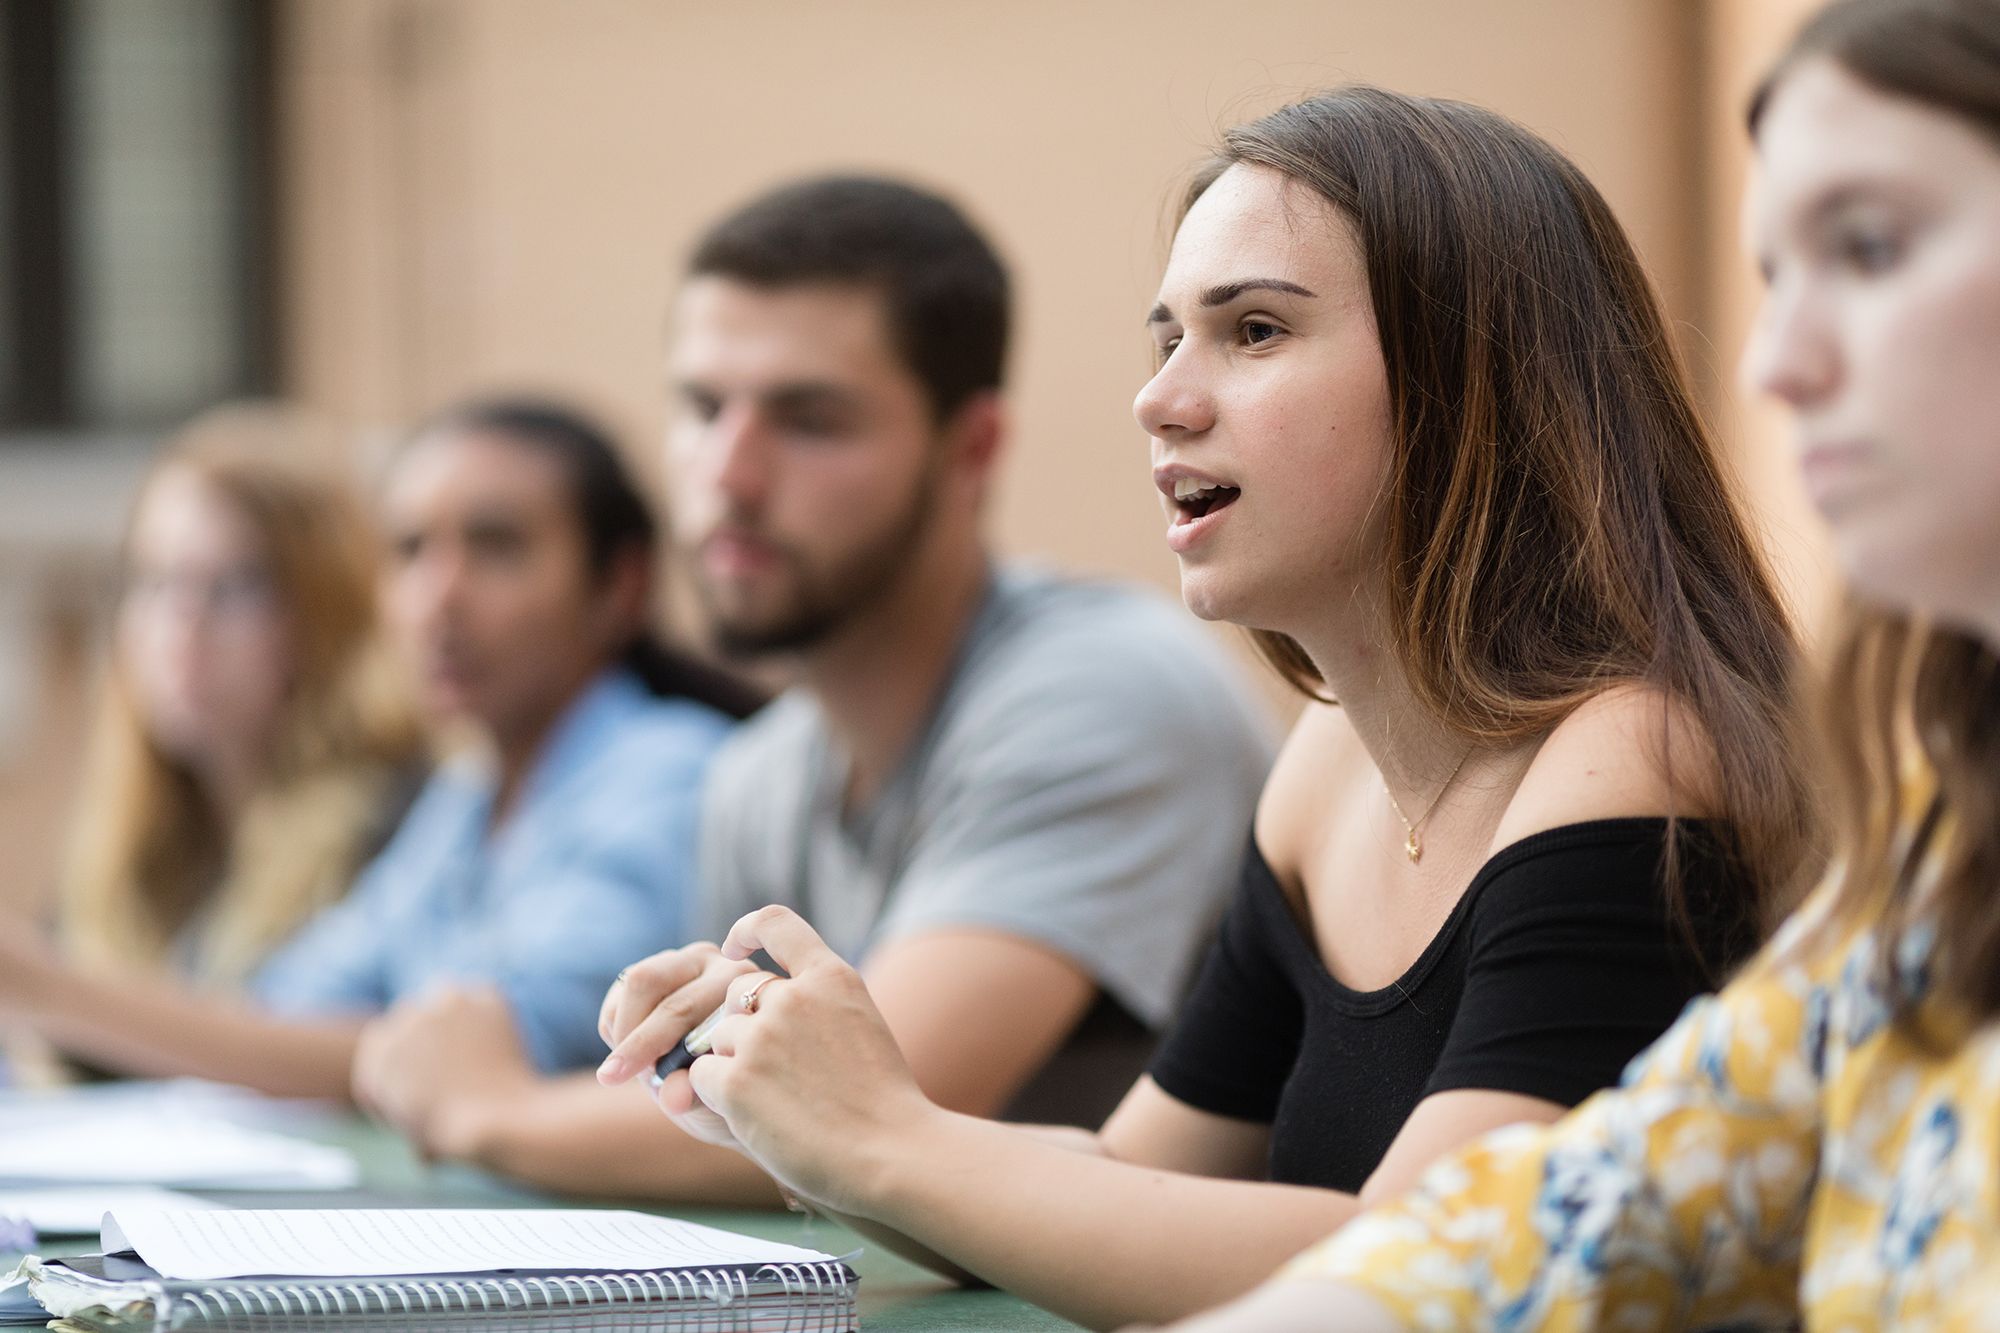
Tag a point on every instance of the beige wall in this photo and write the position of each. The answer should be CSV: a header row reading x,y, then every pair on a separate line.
x,y
496,192
36,783
1740,40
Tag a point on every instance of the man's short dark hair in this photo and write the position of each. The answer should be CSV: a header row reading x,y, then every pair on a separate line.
x,y
945,289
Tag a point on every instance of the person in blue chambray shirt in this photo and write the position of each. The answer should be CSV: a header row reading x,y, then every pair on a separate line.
x,y
535,898
561,830
555,844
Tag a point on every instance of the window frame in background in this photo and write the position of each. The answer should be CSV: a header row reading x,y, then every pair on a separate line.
x,y
43,215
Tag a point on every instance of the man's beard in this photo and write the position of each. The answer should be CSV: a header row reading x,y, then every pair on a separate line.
x,y
825,601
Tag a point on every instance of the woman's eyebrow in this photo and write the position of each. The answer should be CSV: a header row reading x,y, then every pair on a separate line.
x,y
1226,292
1229,291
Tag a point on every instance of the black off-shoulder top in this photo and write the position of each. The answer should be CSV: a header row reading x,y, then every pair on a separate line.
x,y
1560,963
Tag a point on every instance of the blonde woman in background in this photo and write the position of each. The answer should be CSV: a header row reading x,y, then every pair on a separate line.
x,y
253,747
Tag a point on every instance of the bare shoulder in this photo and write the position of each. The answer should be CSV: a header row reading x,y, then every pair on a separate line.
x,y
1632,750
1316,762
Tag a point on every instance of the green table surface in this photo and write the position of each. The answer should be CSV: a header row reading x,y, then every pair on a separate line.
x,y
894,1293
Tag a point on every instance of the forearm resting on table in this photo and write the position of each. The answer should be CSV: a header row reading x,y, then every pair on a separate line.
x,y
1068,1137
573,1135
154,1028
1049,1223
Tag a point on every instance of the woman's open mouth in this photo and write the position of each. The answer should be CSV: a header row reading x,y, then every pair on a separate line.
x,y
1195,499
1194,506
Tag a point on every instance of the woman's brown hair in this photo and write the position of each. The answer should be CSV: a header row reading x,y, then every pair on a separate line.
x,y
1910,711
149,858
1559,521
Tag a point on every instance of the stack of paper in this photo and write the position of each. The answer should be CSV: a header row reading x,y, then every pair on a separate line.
x,y
365,1270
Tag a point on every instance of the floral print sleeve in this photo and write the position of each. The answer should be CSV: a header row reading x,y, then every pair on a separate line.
x,y
1676,1200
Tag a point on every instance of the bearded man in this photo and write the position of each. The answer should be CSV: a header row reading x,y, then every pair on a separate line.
x,y
1015,800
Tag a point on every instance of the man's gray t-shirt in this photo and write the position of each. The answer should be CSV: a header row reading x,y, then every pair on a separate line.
x,y
1087,782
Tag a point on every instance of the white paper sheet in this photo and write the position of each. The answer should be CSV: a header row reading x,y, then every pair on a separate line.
x,y
32,1107
16,1304
370,1242
132,1145
78,1210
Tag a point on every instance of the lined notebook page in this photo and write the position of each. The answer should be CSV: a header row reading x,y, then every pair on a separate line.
x,y
369,1242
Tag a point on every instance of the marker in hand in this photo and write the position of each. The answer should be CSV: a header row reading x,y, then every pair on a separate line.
x,y
690,1048
700,1041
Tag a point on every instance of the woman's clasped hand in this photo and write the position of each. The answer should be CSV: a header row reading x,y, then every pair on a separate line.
x,y
807,1081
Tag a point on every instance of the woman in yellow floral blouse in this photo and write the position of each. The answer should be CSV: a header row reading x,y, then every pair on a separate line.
x,y
1821,1142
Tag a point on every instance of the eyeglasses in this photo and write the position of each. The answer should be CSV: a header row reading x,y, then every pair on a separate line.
x,y
242,593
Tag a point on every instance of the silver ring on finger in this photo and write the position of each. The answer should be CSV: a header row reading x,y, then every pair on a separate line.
x,y
749,1000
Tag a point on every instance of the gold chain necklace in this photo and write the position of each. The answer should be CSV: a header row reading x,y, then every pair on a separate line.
x,y
1413,846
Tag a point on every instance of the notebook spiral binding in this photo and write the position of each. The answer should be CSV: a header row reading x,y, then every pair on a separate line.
x,y
692,1290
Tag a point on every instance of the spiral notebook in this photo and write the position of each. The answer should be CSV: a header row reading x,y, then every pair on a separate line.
x,y
356,1269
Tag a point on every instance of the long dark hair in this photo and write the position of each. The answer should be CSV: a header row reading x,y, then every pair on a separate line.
x,y
1559,520
1911,711
615,521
